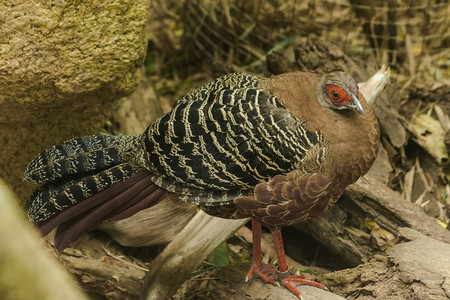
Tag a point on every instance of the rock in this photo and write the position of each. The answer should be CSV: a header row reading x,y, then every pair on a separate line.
x,y
62,64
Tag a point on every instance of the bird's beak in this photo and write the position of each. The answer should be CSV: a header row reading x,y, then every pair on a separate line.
x,y
356,104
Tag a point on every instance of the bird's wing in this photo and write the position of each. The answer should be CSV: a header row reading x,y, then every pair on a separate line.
x,y
222,140
286,198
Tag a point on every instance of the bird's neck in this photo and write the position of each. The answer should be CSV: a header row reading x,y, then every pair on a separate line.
x,y
353,146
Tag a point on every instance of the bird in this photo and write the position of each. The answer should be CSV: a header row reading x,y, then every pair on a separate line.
x,y
278,150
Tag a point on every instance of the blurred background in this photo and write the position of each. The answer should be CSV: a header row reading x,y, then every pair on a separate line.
x,y
401,33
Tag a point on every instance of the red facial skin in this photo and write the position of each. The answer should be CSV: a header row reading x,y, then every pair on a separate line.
x,y
337,95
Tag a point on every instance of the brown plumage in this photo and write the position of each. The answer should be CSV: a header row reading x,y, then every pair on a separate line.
x,y
349,149
351,145
278,150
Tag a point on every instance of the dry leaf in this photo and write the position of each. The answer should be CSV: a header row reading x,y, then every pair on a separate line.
x,y
381,236
408,184
430,135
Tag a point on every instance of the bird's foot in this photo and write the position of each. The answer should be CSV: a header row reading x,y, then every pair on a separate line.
x,y
262,270
291,281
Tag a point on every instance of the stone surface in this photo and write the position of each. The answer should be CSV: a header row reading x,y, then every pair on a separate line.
x,y
62,65
57,50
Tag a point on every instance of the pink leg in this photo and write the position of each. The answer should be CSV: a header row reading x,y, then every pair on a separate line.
x,y
285,276
258,267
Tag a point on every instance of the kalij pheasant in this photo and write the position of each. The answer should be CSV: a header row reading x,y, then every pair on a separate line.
x,y
278,150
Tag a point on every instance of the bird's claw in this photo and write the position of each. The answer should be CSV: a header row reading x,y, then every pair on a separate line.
x,y
286,278
263,271
300,280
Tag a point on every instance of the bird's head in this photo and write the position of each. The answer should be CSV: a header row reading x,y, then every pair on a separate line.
x,y
339,91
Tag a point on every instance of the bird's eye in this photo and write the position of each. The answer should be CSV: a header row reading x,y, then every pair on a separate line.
x,y
335,95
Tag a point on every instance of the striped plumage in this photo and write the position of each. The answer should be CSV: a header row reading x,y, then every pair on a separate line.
x,y
279,150
80,155
223,139
65,168
216,144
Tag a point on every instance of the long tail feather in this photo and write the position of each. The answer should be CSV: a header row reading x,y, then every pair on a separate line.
x,y
149,198
55,197
88,180
79,155
114,201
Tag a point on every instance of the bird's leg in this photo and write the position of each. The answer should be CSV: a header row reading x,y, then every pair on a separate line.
x,y
260,269
286,277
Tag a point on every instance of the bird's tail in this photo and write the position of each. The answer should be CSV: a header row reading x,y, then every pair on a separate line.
x,y
86,181
80,155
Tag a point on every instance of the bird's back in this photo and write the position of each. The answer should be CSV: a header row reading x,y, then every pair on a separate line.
x,y
224,138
